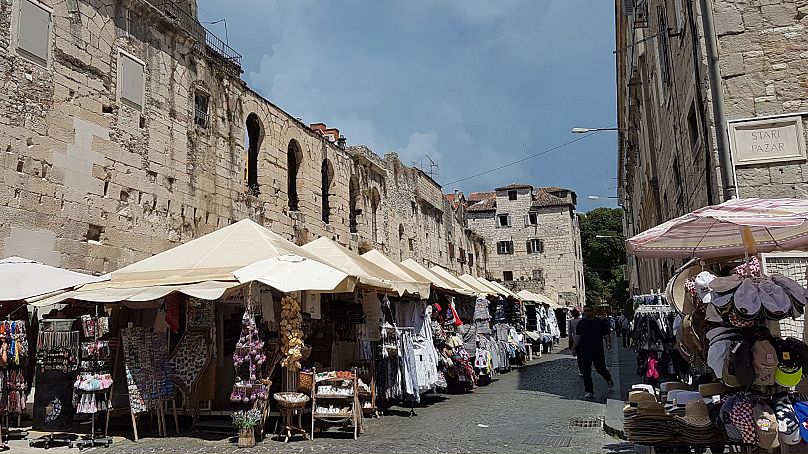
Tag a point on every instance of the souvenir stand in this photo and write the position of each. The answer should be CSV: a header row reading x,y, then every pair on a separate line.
x,y
745,383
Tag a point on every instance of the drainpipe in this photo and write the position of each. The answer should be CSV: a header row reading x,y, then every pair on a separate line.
x,y
722,139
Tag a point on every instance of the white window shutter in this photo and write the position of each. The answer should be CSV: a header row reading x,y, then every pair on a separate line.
x,y
33,31
131,79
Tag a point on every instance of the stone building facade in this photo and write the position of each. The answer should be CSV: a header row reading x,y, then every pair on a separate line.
x,y
126,130
669,162
534,239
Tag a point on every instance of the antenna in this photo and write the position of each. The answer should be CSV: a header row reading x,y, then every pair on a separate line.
x,y
434,171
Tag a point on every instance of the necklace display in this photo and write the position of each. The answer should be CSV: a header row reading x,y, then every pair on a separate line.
x,y
248,360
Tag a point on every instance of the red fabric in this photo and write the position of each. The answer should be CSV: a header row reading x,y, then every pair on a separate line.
x,y
457,321
173,313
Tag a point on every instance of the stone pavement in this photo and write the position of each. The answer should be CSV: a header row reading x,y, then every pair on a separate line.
x,y
528,410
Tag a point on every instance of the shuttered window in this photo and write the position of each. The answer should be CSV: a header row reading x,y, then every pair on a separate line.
x,y
130,81
504,247
33,32
535,246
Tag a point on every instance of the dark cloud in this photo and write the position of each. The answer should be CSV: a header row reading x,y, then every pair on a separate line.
x,y
473,84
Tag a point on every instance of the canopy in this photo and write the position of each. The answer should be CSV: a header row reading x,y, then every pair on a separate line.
x,y
527,295
208,290
212,257
291,273
447,276
402,273
506,291
367,272
416,268
23,278
480,287
729,229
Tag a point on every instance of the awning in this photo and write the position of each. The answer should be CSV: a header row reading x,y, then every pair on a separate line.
x,y
22,278
402,273
506,290
537,298
472,282
415,267
447,276
292,273
367,272
208,290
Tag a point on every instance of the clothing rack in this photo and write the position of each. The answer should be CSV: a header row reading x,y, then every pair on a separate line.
x,y
653,309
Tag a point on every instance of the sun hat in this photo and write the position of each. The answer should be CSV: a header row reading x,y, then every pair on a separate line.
x,y
801,411
764,361
649,409
766,426
671,386
685,397
696,414
713,389
675,291
643,387
635,397
747,300
787,425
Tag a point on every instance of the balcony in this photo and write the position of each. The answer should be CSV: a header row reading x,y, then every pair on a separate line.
x,y
205,42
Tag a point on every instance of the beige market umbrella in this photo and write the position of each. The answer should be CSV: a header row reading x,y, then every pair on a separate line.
x,y
381,260
291,273
478,286
367,272
447,276
416,268
22,278
527,295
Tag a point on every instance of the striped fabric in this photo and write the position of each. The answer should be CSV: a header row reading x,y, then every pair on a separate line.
x,y
715,231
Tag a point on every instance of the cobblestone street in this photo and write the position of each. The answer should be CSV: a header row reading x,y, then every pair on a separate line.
x,y
528,410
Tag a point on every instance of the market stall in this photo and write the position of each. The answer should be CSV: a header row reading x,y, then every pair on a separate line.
x,y
738,382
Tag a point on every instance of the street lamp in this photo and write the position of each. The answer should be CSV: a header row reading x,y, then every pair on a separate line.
x,y
599,197
587,130
608,236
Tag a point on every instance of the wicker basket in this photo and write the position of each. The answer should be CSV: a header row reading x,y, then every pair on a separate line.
x,y
305,381
246,438
291,400
306,352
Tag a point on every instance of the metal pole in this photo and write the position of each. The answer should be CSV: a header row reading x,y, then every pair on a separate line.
x,y
722,139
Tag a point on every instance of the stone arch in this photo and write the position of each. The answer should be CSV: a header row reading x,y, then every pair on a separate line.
x,y
255,135
294,157
327,178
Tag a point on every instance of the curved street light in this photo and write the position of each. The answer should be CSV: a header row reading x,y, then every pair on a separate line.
x,y
587,130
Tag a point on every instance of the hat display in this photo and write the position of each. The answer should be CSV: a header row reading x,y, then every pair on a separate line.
x,y
702,286
747,300
801,412
675,291
696,426
790,362
635,397
713,389
743,364
725,284
776,304
766,426
671,386
742,417
764,361
643,387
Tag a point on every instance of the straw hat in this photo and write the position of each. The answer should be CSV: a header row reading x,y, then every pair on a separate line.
x,y
713,389
696,414
675,290
635,397
648,409
671,385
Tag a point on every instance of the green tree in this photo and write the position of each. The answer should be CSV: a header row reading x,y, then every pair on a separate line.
x,y
604,254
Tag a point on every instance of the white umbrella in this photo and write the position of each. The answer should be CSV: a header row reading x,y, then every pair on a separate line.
x,y
292,273
23,278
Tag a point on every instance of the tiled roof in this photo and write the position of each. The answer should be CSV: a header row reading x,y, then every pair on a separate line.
x,y
478,196
514,186
553,189
541,198
484,205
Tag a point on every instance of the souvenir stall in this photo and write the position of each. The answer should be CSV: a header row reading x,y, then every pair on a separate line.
x,y
23,279
746,382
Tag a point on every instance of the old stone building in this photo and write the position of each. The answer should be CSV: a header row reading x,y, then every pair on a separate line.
x,y
126,129
669,159
533,237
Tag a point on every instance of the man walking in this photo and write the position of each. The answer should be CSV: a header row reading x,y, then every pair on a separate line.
x,y
572,324
590,333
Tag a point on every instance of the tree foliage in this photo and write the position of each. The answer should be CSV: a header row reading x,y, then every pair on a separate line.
x,y
603,257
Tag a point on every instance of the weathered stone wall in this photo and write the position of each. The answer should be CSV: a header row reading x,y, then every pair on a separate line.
x,y
560,264
92,183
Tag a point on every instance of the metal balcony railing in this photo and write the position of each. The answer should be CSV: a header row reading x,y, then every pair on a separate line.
x,y
206,42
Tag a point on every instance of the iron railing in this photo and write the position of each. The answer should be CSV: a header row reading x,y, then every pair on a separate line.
x,y
206,42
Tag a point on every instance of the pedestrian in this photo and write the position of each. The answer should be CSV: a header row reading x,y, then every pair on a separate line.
x,y
573,324
618,324
590,333
626,332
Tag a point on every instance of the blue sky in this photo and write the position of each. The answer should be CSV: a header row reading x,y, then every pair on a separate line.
x,y
474,84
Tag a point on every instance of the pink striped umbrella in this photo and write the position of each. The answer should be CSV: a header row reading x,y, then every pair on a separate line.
x,y
717,231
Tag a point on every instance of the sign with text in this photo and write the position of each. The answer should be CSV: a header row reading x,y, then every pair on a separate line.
x,y
767,141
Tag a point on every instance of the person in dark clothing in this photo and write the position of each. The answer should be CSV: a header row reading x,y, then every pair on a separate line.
x,y
588,347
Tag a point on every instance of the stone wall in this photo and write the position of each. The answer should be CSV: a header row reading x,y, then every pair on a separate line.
x,y
92,182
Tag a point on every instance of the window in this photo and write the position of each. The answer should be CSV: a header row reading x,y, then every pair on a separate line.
x,y
503,220
693,128
663,46
535,246
130,81
375,201
532,219
353,198
33,32
201,102
461,256
471,259
293,158
400,232
451,251
412,205
254,137
538,274
412,244
327,174
511,195
507,276
504,247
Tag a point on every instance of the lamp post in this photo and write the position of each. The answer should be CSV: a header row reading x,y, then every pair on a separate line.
x,y
599,197
588,130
